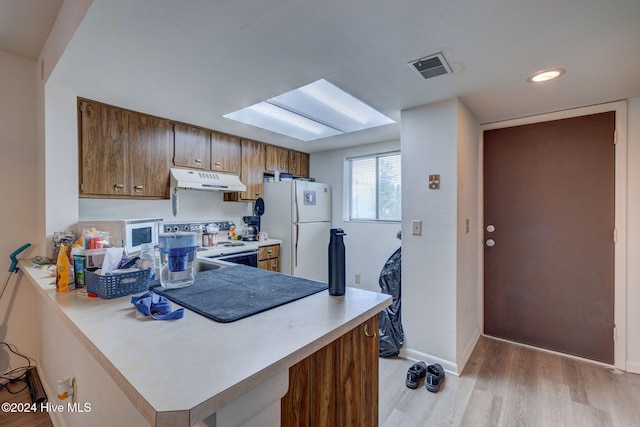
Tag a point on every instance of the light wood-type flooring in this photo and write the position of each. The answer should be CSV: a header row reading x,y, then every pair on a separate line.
x,y
23,419
505,384
502,385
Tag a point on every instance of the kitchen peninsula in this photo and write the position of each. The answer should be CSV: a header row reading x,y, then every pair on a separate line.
x,y
195,371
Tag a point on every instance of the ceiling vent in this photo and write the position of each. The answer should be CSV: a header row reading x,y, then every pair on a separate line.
x,y
431,66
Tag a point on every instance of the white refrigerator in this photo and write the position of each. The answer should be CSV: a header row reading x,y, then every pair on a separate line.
x,y
299,213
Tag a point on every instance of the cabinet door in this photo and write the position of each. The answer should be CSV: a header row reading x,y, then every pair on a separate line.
x,y
251,172
358,377
304,165
191,147
338,384
277,159
103,145
225,153
299,164
150,147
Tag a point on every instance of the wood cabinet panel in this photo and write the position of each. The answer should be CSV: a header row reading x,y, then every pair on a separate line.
x,y
276,159
251,172
310,400
191,147
299,164
337,385
225,153
150,148
269,257
103,150
358,378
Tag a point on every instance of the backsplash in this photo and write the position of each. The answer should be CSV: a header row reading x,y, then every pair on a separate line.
x,y
192,205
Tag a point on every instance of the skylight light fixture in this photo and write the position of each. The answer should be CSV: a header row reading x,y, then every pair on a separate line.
x,y
546,75
317,110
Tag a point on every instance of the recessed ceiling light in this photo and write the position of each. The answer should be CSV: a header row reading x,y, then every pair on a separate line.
x,y
546,75
317,110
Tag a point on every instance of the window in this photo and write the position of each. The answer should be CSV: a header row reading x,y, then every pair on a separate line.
x,y
374,187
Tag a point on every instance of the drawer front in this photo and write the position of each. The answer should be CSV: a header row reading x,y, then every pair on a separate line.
x,y
268,252
270,264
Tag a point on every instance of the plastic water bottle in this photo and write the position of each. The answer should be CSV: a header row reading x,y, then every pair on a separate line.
x,y
147,252
336,262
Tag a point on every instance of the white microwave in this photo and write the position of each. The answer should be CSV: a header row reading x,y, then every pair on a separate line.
x,y
130,234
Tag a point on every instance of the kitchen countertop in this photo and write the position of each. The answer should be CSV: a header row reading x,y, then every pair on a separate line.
x,y
213,364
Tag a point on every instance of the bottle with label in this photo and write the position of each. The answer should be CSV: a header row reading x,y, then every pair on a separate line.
x,y
148,259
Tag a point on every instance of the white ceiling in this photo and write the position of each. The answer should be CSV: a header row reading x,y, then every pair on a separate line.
x,y
199,59
25,25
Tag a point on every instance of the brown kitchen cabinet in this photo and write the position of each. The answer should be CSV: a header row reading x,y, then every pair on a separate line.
x,y
338,384
269,257
225,153
191,147
122,154
150,147
299,164
252,155
276,159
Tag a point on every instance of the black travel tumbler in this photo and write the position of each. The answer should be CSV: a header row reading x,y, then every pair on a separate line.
x,y
336,262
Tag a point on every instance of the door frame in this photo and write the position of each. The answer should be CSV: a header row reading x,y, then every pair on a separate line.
x,y
620,206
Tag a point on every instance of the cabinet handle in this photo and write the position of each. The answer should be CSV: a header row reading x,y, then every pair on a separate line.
x,y
366,332
138,188
218,164
118,187
198,160
270,251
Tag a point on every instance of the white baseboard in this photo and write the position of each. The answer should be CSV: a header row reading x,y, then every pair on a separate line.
x,y
633,367
468,349
418,356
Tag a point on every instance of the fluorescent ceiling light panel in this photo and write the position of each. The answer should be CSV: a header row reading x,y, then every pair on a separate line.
x,y
317,110
276,119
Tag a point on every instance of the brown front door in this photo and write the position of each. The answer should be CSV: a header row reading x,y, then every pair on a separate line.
x,y
548,263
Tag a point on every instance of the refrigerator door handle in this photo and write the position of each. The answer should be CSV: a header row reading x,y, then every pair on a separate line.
x,y
295,249
295,199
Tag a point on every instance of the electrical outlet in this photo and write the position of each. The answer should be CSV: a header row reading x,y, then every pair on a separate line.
x,y
357,278
416,227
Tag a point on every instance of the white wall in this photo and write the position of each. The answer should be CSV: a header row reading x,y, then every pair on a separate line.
x,y
18,171
429,261
368,245
192,205
633,236
469,284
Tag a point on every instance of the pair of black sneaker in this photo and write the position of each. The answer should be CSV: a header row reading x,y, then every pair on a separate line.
x,y
433,375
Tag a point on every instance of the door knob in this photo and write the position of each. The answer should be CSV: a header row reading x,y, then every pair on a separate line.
x,y
490,243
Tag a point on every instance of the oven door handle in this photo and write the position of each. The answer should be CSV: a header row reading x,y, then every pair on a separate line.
x,y
234,255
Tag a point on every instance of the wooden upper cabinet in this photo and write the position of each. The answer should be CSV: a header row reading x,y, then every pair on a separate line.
x,y
123,154
103,150
277,159
150,148
191,147
225,153
251,172
299,164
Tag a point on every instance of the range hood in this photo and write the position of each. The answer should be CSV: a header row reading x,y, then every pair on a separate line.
x,y
194,179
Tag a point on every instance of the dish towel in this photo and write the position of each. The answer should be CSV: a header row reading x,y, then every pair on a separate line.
x,y
156,306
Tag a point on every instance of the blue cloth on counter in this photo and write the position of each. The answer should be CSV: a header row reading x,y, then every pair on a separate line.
x,y
156,306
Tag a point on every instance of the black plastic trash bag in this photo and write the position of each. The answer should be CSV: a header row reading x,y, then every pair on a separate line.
x,y
391,333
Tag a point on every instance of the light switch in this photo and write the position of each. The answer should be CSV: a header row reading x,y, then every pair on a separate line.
x,y
416,227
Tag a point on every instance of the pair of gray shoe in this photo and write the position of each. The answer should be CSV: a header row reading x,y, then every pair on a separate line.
x,y
433,375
